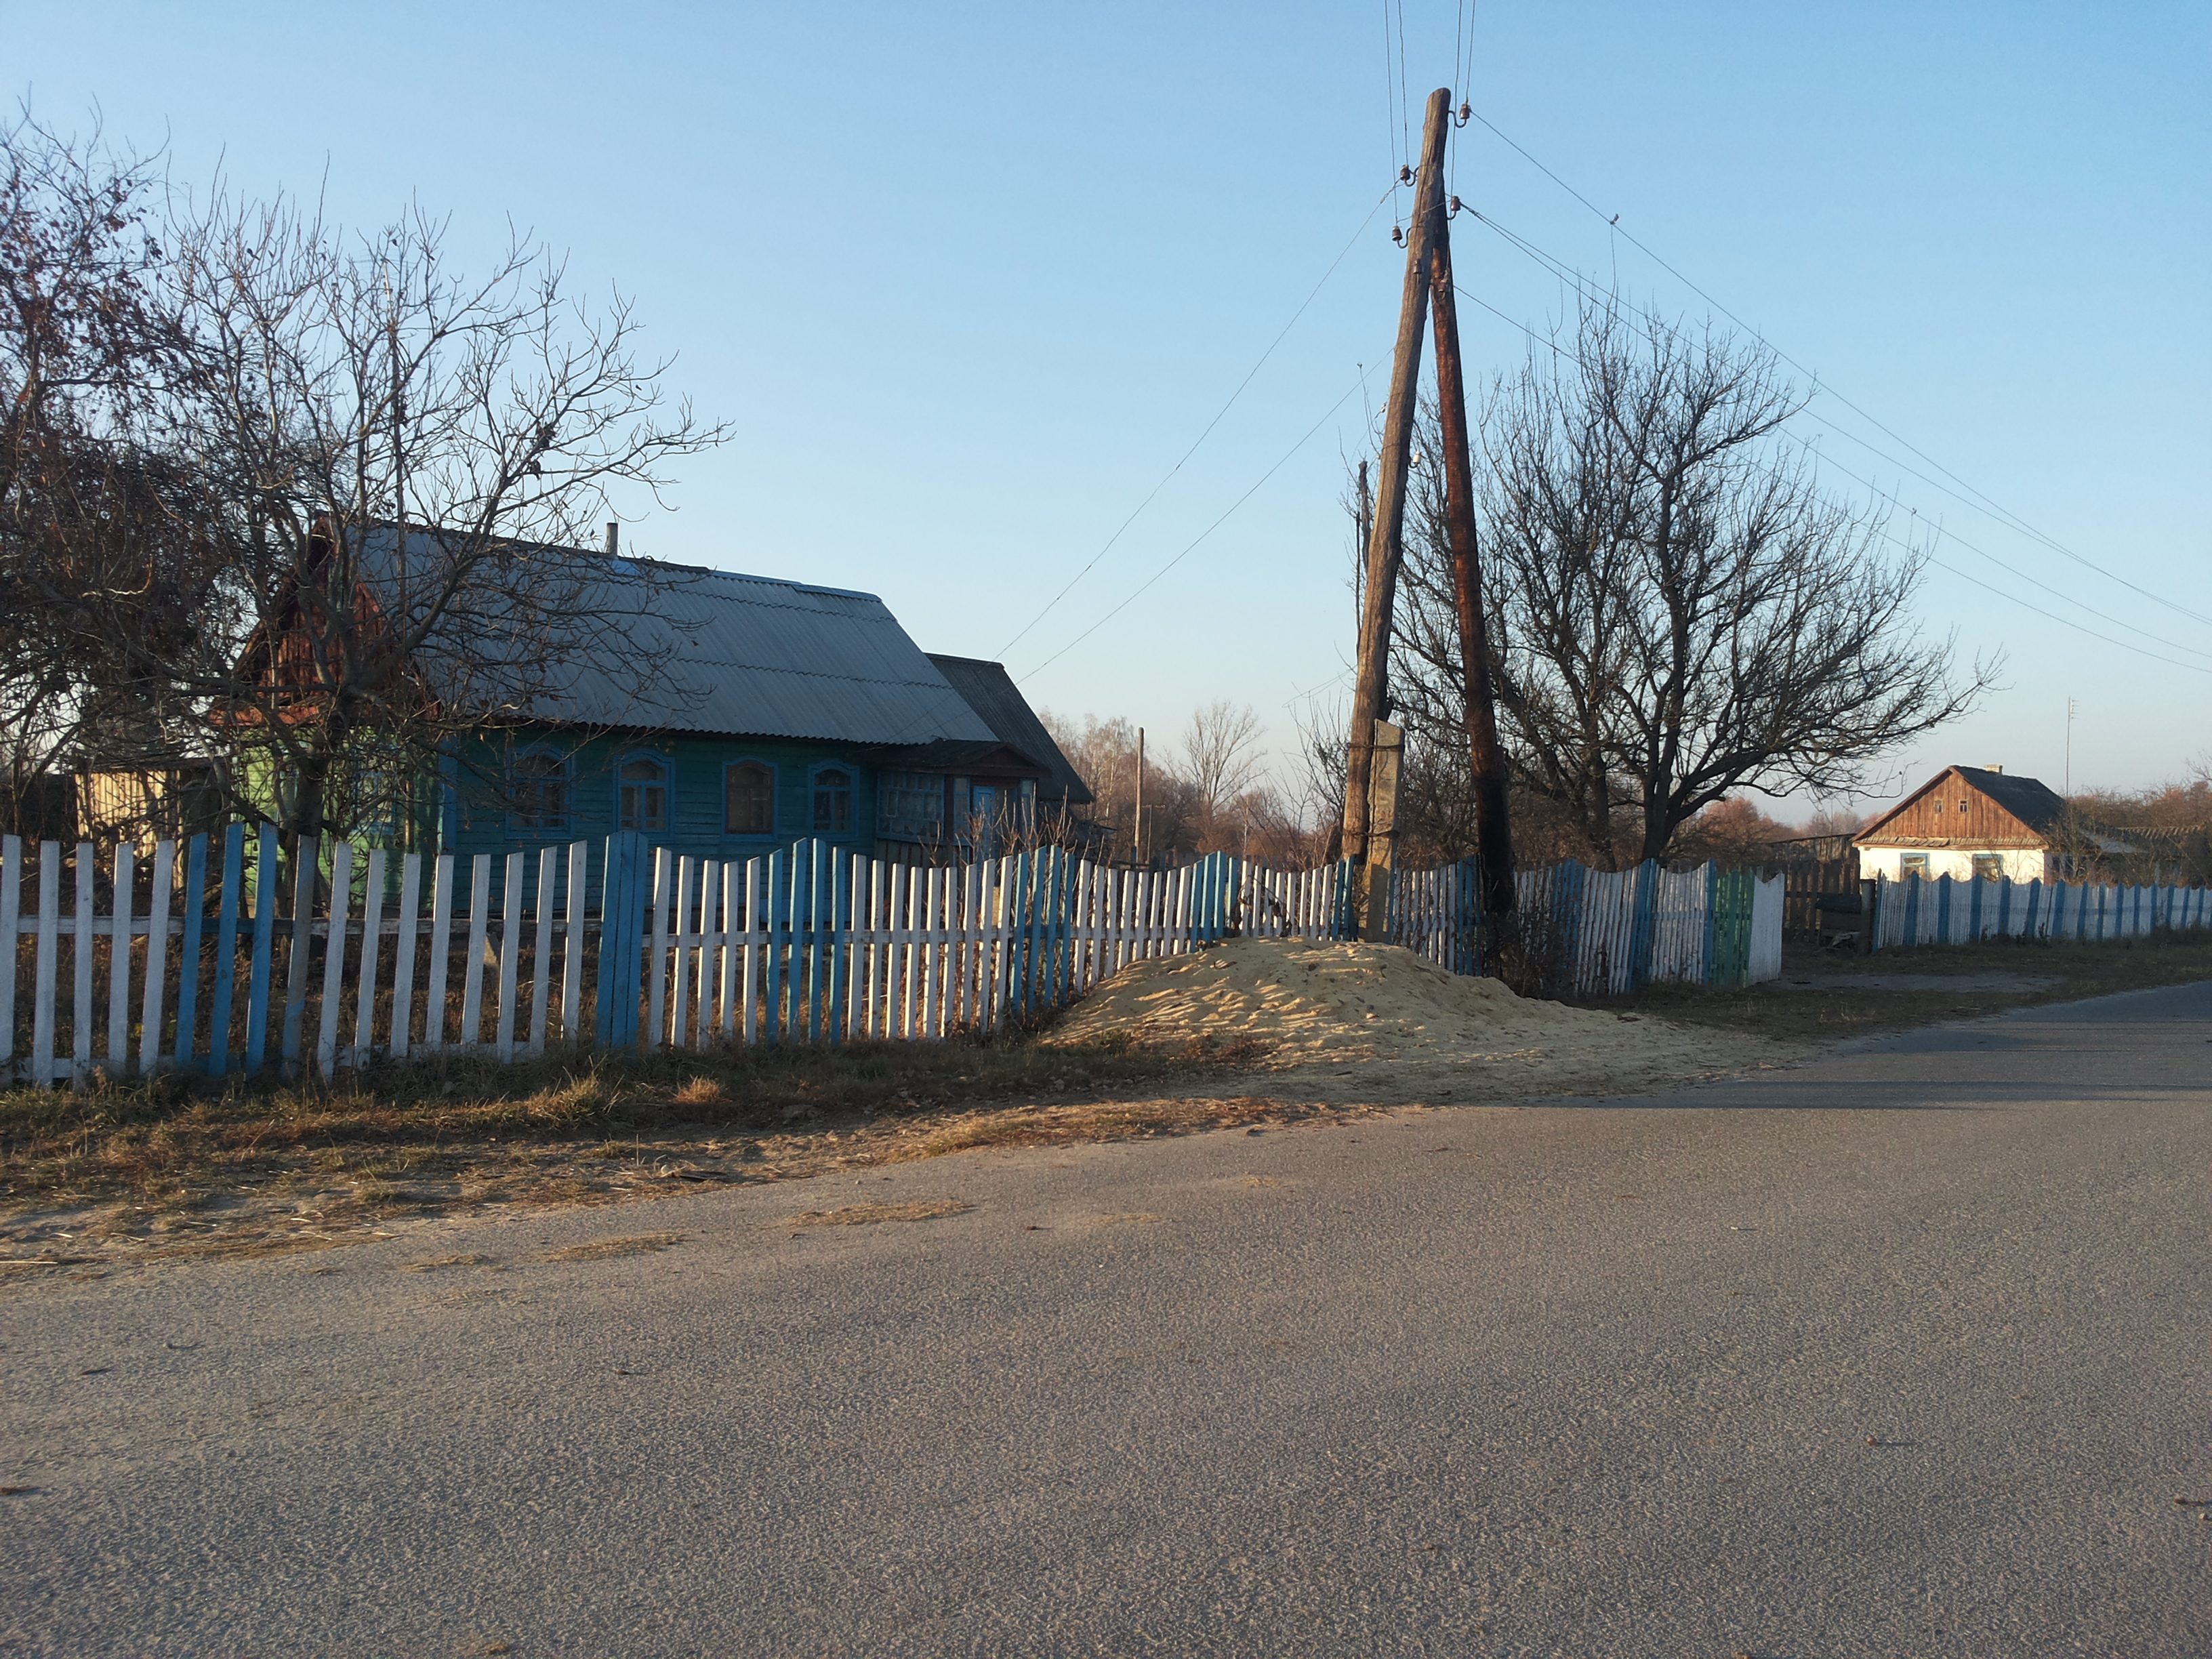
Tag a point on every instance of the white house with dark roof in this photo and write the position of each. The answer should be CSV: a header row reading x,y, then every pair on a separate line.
x,y
1978,821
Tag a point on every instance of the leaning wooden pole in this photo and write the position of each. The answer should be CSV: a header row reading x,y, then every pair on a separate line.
x,y
1493,831
1385,537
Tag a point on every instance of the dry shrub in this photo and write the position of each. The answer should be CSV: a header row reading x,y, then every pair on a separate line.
x,y
1527,949
698,1091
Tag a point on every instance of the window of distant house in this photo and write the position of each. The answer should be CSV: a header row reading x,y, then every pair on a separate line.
x,y
1939,806
1962,806
538,791
1988,867
833,801
641,793
1913,864
748,799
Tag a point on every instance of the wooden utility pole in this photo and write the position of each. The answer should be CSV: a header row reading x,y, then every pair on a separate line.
x,y
1494,832
1137,835
1385,537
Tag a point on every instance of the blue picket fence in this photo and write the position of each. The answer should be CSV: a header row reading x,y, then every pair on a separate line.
x,y
1949,911
219,955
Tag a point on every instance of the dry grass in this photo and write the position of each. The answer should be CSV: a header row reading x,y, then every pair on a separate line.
x,y
698,1091
191,1167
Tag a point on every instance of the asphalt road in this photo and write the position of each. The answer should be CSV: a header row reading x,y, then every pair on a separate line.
x,y
1901,1353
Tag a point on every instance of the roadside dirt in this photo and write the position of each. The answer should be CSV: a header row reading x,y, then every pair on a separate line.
x,y
1272,1033
1376,1024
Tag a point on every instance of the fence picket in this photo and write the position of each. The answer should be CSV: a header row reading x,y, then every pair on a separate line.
x,y
541,958
572,971
703,1000
749,964
445,874
304,866
372,949
656,968
228,901
11,905
334,944
47,969
122,899
188,954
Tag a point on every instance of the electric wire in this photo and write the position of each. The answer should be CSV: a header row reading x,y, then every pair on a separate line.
x,y
1937,530
1169,476
1350,392
1404,97
1981,502
1390,115
1652,325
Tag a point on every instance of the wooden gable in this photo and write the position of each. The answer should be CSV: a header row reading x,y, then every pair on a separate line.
x,y
1949,810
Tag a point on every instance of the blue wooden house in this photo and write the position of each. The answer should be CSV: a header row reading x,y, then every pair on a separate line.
x,y
770,710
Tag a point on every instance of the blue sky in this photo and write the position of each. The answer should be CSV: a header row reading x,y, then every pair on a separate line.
x,y
969,280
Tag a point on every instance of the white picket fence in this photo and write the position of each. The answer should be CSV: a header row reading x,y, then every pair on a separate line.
x,y
804,944
186,960
1617,929
1949,911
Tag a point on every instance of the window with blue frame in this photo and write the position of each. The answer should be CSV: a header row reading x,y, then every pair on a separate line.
x,y
642,794
537,790
833,801
748,798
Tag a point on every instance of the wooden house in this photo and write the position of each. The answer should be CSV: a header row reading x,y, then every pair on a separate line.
x,y
1976,821
725,715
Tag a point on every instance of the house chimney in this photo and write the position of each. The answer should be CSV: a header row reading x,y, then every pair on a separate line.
x,y
1991,766
614,537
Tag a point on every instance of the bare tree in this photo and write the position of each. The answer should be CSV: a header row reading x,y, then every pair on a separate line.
x,y
91,545
365,477
1221,754
1688,613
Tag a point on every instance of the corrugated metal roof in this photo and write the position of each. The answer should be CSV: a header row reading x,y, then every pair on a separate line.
x,y
991,692
729,654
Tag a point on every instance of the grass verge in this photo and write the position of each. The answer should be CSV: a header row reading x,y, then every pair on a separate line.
x,y
189,1166
1826,995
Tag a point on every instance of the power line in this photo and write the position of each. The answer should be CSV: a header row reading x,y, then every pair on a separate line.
x,y
1168,476
1651,325
1554,347
1982,503
1390,110
1349,391
1405,97
2064,622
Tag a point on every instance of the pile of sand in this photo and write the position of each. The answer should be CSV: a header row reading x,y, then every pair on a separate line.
x,y
1376,1022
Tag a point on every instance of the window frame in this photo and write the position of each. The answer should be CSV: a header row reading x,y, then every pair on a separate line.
x,y
774,791
565,775
815,790
667,786
1912,864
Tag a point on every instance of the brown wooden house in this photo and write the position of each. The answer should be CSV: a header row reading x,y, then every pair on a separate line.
x,y
1976,821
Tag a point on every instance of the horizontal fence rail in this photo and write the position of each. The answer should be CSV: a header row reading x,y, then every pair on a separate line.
x,y
229,954
1947,910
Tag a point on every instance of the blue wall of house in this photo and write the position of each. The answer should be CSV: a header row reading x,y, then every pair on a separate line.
x,y
479,820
